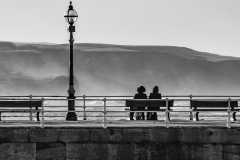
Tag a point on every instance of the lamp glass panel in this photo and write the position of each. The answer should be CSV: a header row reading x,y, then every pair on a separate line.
x,y
66,18
72,16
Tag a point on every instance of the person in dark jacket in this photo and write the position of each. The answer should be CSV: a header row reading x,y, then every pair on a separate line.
x,y
139,95
153,95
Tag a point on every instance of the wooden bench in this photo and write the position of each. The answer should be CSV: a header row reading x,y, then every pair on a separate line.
x,y
141,105
199,105
20,106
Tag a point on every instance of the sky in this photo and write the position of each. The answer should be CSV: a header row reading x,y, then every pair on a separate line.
x,y
204,25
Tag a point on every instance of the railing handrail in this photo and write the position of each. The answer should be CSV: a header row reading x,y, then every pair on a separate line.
x,y
39,99
128,96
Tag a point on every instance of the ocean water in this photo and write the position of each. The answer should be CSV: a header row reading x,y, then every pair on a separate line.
x,y
57,110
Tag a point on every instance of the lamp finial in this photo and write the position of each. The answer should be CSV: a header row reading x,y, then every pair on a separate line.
x,y
70,6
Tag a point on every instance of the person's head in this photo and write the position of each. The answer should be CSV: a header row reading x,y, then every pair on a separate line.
x,y
155,89
141,89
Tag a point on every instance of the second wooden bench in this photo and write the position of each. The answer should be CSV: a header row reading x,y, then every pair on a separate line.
x,y
21,106
212,106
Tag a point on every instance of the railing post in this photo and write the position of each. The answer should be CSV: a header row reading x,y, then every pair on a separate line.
x,y
42,123
167,114
104,113
84,108
229,113
30,116
190,113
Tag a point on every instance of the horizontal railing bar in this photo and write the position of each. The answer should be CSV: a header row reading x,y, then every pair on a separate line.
x,y
94,106
28,116
63,106
99,106
107,106
116,111
33,111
69,111
106,116
126,116
21,99
178,111
118,99
105,96
180,106
58,106
122,111
121,99
133,99
45,111
129,96
14,96
216,96
169,96
27,111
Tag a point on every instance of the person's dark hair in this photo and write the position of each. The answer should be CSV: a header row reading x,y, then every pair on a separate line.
x,y
141,89
155,89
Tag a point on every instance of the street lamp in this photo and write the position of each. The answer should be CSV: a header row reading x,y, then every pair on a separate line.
x,y
71,17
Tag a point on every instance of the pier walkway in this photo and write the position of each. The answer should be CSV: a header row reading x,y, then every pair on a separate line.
x,y
119,124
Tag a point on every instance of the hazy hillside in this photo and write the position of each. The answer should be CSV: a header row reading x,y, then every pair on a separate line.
x,y
102,69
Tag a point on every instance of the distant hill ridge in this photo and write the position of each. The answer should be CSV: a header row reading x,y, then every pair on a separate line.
x,y
106,69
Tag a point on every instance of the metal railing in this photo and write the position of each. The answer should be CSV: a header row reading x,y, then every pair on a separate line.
x,y
103,107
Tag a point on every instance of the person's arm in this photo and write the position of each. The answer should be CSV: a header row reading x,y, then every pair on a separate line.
x,y
135,96
145,96
150,96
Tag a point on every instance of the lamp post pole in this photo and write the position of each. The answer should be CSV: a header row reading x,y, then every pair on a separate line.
x,y
71,17
71,115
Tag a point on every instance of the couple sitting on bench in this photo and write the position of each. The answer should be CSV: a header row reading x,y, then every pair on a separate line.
x,y
142,95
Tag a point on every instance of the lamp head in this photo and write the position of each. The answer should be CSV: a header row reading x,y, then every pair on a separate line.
x,y
71,15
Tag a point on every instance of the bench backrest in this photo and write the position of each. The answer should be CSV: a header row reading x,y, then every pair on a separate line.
x,y
20,103
212,104
160,103
152,103
132,103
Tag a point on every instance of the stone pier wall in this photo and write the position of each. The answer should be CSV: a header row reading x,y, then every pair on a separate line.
x,y
120,143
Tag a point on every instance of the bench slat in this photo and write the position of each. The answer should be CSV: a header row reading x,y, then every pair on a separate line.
x,y
20,103
197,103
151,103
210,109
20,110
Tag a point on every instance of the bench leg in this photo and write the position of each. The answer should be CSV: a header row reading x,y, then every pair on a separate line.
x,y
195,118
233,116
37,114
143,116
131,115
38,119
0,116
191,115
148,115
30,116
